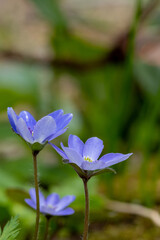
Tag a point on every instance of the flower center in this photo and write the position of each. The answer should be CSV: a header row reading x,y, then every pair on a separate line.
x,y
50,206
31,131
88,159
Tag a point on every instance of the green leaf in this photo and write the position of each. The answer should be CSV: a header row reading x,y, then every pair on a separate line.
x,y
11,230
17,195
103,171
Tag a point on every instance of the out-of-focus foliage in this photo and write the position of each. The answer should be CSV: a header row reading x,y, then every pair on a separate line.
x,y
11,230
113,98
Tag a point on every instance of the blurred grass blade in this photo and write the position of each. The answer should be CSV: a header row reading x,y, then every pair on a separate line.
x,y
147,76
52,12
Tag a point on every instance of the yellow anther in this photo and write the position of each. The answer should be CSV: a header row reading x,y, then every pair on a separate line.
x,y
88,159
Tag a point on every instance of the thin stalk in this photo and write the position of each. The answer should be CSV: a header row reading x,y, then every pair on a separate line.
x,y
37,196
47,228
86,219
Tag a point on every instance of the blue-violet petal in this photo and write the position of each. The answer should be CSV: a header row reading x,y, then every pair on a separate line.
x,y
55,135
72,155
64,121
93,148
29,119
91,166
76,143
12,116
24,131
112,160
44,128
59,151
65,212
52,199
56,114
64,202
30,203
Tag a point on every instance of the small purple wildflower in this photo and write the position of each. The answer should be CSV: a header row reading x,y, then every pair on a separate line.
x,y
52,205
84,156
38,133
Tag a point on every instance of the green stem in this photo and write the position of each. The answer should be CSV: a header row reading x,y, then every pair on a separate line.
x,y
86,220
37,195
47,227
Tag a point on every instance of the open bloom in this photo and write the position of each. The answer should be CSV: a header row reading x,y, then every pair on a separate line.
x,y
84,156
52,205
38,133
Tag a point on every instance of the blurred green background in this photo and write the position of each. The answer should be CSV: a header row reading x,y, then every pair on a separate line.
x,y
99,60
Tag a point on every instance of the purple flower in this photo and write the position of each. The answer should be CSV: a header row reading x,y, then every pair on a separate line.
x,y
52,205
38,133
84,156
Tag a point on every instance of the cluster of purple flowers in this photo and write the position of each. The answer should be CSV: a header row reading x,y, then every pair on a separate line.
x,y
83,157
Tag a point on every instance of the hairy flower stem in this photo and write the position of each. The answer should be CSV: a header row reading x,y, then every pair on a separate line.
x,y
86,220
46,230
37,195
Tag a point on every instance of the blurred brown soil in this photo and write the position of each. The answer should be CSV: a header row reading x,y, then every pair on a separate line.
x,y
24,30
